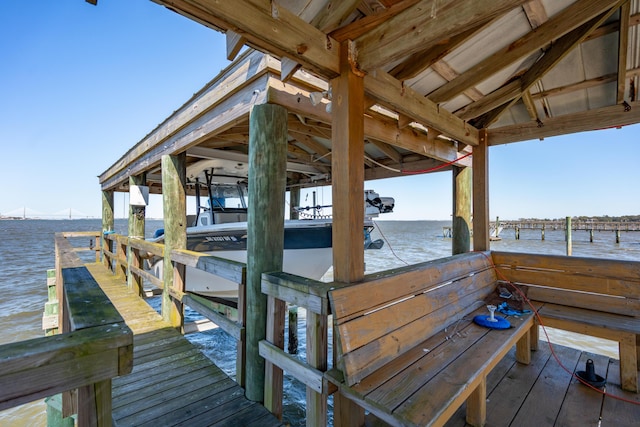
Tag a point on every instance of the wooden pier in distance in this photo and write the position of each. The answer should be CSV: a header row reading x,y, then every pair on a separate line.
x,y
172,382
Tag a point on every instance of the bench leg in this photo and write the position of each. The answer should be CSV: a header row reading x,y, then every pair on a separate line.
x,y
346,413
523,348
628,363
477,405
535,335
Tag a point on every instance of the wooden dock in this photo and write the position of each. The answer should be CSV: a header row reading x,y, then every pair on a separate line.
x,y
172,382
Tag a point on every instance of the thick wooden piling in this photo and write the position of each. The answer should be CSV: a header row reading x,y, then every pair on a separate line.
x,y
542,232
265,241
294,201
568,236
292,348
136,230
175,232
461,227
107,225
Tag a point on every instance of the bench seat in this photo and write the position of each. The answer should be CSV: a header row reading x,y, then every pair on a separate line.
x,y
616,327
407,348
427,384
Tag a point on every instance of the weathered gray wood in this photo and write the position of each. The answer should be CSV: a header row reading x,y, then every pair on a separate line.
x,y
301,371
200,305
175,232
265,242
136,230
221,267
461,227
87,304
107,224
41,367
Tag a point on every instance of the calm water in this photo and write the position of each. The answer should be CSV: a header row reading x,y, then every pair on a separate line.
x,y
26,252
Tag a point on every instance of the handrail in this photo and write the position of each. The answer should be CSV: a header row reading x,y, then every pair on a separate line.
x,y
95,346
311,295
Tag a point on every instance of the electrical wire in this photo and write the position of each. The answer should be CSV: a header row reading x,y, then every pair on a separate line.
x,y
388,244
408,172
544,329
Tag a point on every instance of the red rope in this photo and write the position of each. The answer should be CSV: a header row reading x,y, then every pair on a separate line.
x,y
544,329
444,165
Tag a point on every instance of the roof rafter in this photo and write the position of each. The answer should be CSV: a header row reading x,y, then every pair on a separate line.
x,y
422,26
391,92
552,56
564,22
333,14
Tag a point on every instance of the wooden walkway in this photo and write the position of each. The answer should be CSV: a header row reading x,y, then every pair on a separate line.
x,y
172,382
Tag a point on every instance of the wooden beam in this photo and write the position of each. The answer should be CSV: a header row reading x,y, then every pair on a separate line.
x,y
368,23
623,43
422,26
387,149
288,68
389,91
550,59
564,22
606,117
333,14
420,61
296,100
277,31
235,42
536,14
527,99
490,101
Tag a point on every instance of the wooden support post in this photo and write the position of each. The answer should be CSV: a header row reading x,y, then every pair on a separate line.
x,y
347,165
107,225
273,384
175,231
461,241
94,405
294,201
517,232
617,235
317,342
265,240
591,235
292,348
543,231
136,230
480,164
241,346
568,236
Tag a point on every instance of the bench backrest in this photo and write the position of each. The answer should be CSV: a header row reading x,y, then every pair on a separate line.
x,y
392,312
611,286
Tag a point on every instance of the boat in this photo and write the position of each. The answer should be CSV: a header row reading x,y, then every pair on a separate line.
x,y
219,228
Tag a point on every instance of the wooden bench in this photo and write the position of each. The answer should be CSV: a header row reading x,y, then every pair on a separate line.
x,y
407,348
591,296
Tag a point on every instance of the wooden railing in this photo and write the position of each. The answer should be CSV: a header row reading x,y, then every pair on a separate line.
x,y
311,295
95,346
127,259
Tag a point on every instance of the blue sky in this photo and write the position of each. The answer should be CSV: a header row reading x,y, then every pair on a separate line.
x,y
80,85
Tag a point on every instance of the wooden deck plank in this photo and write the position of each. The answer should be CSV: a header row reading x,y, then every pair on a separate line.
x,y
617,412
172,382
545,399
582,405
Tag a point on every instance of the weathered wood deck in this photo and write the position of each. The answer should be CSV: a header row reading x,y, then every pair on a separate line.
x,y
543,394
172,382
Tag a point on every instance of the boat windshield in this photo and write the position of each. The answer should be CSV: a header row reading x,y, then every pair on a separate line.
x,y
224,196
